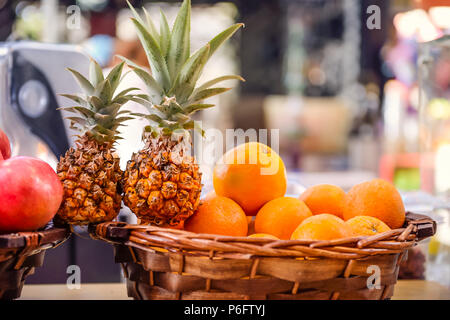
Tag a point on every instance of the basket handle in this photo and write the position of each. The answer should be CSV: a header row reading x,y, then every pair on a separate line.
x,y
112,229
32,241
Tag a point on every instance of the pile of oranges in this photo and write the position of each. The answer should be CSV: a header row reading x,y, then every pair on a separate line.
x,y
247,202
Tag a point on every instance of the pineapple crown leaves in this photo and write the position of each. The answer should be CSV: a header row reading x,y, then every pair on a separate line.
x,y
171,85
98,111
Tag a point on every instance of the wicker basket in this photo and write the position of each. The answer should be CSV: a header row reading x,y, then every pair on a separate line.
x,y
21,252
164,263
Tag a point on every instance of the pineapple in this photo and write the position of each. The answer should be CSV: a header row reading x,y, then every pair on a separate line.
x,y
90,173
162,182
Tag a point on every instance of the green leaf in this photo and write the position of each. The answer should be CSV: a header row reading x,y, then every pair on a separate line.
x,y
125,74
218,40
165,35
143,96
114,77
153,108
104,91
85,111
121,100
154,55
104,131
212,82
174,108
194,125
190,72
77,98
124,112
84,83
129,62
101,117
196,107
135,14
68,109
139,115
107,93
82,122
206,93
107,122
179,117
179,48
154,117
96,102
122,119
129,97
78,120
162,110
143,102
151,27
73,127
95,73
111,110
124,92
154,89
99,88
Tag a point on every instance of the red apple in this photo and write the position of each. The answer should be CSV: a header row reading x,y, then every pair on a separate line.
x,y
5,147
30,194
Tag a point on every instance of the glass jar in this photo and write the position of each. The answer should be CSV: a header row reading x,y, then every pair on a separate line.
x,y
434,127
434,122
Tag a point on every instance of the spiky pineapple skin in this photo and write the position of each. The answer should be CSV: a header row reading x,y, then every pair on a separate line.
x,y
91,176
161,186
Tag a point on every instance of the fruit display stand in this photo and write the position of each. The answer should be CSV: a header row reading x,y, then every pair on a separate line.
x,y
21,252
162,263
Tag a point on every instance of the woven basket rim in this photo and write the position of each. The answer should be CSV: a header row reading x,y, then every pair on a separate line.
x,y
50,235
151,238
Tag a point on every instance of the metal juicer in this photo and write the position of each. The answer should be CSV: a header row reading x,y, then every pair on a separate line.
x,y
31,77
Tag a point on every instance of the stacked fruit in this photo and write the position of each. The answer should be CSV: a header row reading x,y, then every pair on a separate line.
x,y
322,212
90,172
162,182
30,191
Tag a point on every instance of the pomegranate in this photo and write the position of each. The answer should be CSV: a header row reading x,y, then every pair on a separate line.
x,y
30,194
5,147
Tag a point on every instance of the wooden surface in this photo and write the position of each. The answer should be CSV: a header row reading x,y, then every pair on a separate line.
x,y
404,290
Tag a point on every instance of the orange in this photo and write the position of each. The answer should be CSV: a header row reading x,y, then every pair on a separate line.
x,y
263,235
324,198
322,227
218,215
251,174
281,216
367,226
377,198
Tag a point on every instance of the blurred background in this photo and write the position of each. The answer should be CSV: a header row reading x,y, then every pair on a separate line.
x,y
358,89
